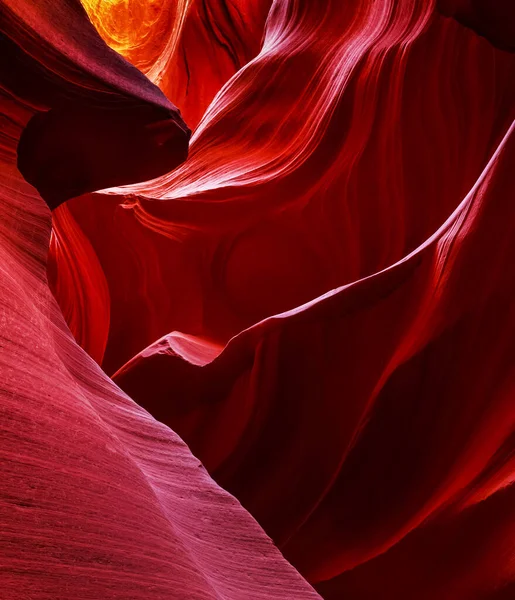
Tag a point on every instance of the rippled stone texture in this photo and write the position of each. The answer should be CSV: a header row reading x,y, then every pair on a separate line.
x,y
318,300
97,499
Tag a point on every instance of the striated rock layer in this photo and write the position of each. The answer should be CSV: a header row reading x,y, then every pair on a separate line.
x,y
98,499
318,299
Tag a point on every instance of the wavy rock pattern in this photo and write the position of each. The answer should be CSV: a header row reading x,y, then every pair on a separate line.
x,y
98,499
319,299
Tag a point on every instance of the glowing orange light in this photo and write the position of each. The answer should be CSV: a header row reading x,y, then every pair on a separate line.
x,y
140,30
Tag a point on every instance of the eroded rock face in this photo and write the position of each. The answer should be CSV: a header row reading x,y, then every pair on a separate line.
x,y
317,299
98,500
